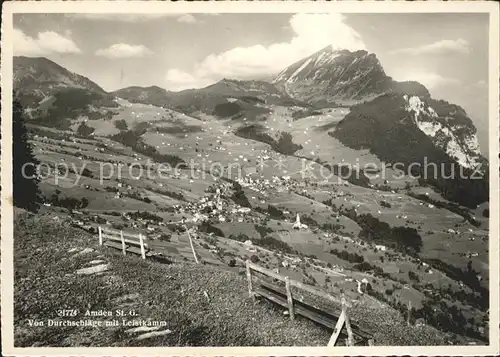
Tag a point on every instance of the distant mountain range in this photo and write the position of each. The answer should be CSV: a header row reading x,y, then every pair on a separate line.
x,y
397,121
206,99
35,79
51,95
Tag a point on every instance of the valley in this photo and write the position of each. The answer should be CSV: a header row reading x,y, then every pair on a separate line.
x,y
237,162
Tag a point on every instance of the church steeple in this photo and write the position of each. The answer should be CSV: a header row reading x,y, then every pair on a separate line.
x,y
297,224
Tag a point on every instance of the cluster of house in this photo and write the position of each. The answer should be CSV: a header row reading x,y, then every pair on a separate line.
x,y
151,226
258,185
262,185
216,205
84,221
119,194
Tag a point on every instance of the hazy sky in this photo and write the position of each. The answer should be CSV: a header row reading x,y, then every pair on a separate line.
x,y
446,52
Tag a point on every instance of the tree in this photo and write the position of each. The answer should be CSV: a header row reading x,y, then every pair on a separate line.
x,y
84,202
121,124
24,179
84,130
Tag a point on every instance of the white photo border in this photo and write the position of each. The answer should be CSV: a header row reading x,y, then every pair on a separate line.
x,y
143,7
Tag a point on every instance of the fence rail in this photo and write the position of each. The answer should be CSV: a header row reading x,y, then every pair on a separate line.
x,y
298,305
134,243
298,284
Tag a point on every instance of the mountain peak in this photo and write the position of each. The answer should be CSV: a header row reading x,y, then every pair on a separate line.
x,y
341,76
328,49
45,78
343,51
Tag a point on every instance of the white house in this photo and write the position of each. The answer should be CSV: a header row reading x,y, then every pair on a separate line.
x,y
381,247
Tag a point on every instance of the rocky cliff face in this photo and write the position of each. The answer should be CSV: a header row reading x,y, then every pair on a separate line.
x,y
433,140
448,127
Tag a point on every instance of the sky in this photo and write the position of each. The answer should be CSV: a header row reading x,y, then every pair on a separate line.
x,y
448,53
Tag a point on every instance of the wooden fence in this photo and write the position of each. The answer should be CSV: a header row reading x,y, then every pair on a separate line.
x,y
134,243
298,305
127,242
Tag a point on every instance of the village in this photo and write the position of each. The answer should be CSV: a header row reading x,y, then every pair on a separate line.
x,y
240,198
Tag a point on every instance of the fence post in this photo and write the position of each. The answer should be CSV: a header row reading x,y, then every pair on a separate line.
x,y
249,278
124,248
100,235
289,298
350,337
343,319
336,330
408,322
143,251
192,247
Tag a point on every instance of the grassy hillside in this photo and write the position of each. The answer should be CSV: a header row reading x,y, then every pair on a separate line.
x,y
49,254
414,230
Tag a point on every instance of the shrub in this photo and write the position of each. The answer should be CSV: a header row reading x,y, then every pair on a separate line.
x,y
309,220
206,227
404,239
69,203
254,259
87,173
413,276
275,244
226,110
241,237
240,198
263,230
385,204
284,145
121,124
350,257
146,216
365,266
84,129
275,212
165,237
